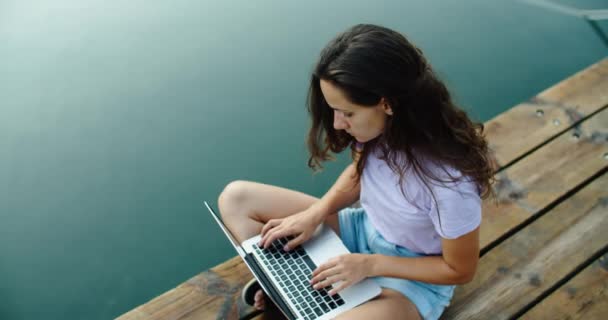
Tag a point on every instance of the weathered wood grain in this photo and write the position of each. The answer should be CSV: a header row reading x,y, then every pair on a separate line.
x,y
583,297
520,269
213,294
544,176
529,124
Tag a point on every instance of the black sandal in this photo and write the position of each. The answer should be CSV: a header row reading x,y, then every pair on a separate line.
x,y
249,290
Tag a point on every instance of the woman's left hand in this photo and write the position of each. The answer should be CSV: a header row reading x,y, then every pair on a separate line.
x,y
349,268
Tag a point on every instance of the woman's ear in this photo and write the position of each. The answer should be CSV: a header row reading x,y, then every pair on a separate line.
x,y
386,107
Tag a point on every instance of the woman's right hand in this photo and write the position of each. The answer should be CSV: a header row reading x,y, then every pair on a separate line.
x,y
301,225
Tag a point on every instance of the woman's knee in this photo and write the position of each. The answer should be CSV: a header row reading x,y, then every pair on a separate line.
x,y
390,304
233,196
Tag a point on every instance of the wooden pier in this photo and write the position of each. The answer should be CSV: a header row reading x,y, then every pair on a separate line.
x,y
544,241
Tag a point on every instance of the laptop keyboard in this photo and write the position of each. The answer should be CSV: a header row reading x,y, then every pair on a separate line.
x,y
293,270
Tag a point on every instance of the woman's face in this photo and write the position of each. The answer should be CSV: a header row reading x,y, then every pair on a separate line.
x,y
363,123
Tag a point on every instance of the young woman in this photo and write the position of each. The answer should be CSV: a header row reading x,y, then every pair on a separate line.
x,y
420,167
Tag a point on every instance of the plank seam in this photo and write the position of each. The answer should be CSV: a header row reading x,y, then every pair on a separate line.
x,y
541,212
561,282
555,136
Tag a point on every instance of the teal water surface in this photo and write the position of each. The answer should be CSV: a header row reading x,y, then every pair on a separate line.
x,y
118,118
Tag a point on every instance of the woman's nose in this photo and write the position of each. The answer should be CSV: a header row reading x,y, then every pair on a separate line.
x,y
339,122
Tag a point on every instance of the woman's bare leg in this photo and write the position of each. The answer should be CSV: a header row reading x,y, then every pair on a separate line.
x,y
389,305
246,206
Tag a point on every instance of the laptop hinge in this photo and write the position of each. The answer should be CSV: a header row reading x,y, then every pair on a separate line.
x,y
240,251
274,293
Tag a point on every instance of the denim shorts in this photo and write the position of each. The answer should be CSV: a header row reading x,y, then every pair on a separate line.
x,y
359,236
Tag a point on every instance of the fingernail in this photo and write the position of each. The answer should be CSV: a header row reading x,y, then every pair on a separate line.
x,y
286,248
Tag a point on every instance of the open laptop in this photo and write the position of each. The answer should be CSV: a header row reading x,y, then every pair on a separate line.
x,y
284,276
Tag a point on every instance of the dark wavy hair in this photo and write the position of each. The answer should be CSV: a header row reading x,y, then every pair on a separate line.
x,y
368,62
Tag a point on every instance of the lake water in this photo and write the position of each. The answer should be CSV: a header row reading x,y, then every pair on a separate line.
x,y
118,118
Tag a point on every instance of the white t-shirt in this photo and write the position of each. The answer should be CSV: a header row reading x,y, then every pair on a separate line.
x,y
416,224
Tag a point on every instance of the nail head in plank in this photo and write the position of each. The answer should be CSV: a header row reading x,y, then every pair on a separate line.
x,y
529,124
543,177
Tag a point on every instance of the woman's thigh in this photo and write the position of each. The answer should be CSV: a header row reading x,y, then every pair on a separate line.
x,y
389,305
261,202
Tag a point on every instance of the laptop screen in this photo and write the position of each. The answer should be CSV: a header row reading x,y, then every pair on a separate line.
x,y
232,239
252,264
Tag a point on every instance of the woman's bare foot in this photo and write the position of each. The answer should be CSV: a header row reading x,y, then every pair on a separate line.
x,y
253,295
259,298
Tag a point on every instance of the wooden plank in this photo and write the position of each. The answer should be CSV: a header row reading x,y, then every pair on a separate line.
x,y
531,123
544,176
519,270
209,295
583,297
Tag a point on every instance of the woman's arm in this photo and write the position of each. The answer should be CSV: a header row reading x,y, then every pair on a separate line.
x,y
456,266
343,193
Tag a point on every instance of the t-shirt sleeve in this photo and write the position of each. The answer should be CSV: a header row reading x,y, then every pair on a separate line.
x,y
458,209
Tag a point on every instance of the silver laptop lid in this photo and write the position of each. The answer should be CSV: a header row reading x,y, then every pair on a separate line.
x,y
251,264
232,239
